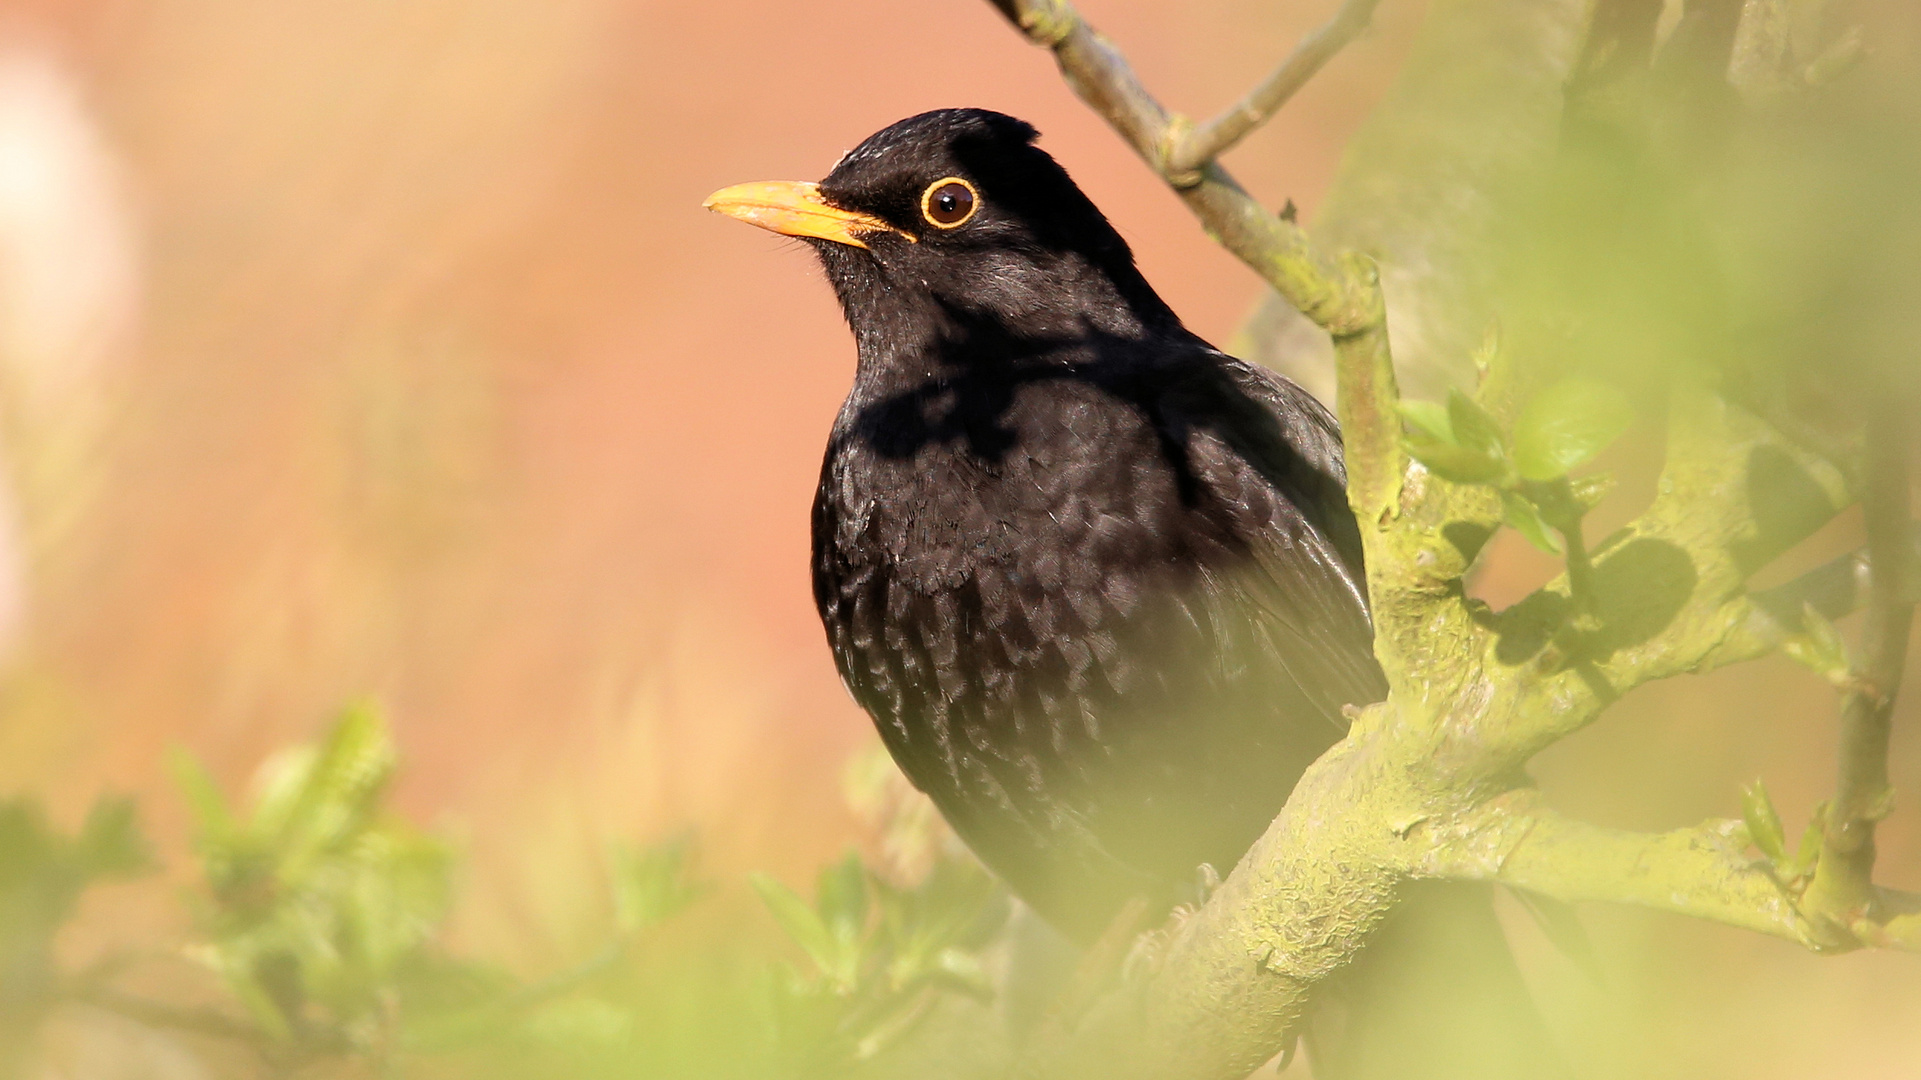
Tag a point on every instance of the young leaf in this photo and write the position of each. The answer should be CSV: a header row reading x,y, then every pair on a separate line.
x,y
355,763
1808,851
1820,648
1526,520
651,883
842,891
1429,418
1473,428
1435,439
1764,824
111,844
1566,425
802,923
211,817
1454,463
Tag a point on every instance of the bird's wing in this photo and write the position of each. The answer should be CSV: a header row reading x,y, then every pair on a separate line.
x,y
1280,470
1223,684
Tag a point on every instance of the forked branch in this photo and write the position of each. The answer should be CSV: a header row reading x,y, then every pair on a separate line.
x,y
1342,296
1323,289
1192,150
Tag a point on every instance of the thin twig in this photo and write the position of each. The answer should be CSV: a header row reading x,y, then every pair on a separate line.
x,y
1188,155
1843,890
1334,296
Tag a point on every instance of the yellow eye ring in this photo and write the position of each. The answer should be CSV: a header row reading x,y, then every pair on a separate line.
x,y
949,203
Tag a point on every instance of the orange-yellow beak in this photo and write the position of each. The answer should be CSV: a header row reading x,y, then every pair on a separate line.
x,y
796,208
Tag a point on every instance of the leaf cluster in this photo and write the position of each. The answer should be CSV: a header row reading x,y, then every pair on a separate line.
x,y
317,901
877,954
1557,431
320,912
42,875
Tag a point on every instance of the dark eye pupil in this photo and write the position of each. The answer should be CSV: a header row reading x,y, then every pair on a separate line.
x,y
950,204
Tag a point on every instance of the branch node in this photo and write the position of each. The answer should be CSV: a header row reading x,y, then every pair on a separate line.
x,y
1048,23
1172,152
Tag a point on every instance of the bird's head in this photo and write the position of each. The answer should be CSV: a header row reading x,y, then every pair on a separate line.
x,y
956,215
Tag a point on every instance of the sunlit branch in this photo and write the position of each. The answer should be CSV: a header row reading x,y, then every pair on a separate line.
x,y
1702,872
1278,250
1205,143
1341,296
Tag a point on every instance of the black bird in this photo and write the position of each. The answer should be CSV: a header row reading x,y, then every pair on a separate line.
x,y
1095,581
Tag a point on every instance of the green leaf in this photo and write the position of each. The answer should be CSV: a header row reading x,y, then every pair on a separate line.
x,y
355,763
212,819
842,892
1526,520
1566,425
111,844
1454,463
1457,442
1808,851
652,884
1429,418
1820,648
1764,824
802,923
1473,428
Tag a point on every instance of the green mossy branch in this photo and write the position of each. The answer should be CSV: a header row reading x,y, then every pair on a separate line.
x,y
1702,872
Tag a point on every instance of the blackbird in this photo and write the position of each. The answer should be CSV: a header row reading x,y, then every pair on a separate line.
x,y
1095,581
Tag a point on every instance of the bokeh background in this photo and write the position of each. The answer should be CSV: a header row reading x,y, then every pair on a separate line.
x,y
380,349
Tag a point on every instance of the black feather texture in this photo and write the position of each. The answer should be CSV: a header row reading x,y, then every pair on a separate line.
x,y
1095,581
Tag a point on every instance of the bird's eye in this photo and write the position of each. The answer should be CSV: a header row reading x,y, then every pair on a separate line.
x,y
949,203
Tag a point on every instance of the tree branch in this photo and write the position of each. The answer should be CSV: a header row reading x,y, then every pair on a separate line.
x,y
1324,290
1843,890
1203,144
1701,872
1835,588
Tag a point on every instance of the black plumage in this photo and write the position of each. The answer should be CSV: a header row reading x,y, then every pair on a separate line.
x,y
1095,581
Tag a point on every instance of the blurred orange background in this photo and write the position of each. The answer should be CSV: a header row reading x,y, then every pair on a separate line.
x,y
388,353
432,381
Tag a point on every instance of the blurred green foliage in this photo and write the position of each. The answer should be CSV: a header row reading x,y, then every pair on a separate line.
x,y
42,875
321,912
317,905
878,955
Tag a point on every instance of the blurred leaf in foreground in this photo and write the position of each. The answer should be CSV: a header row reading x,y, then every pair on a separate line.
x,y
1566,425
42,875
317,900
